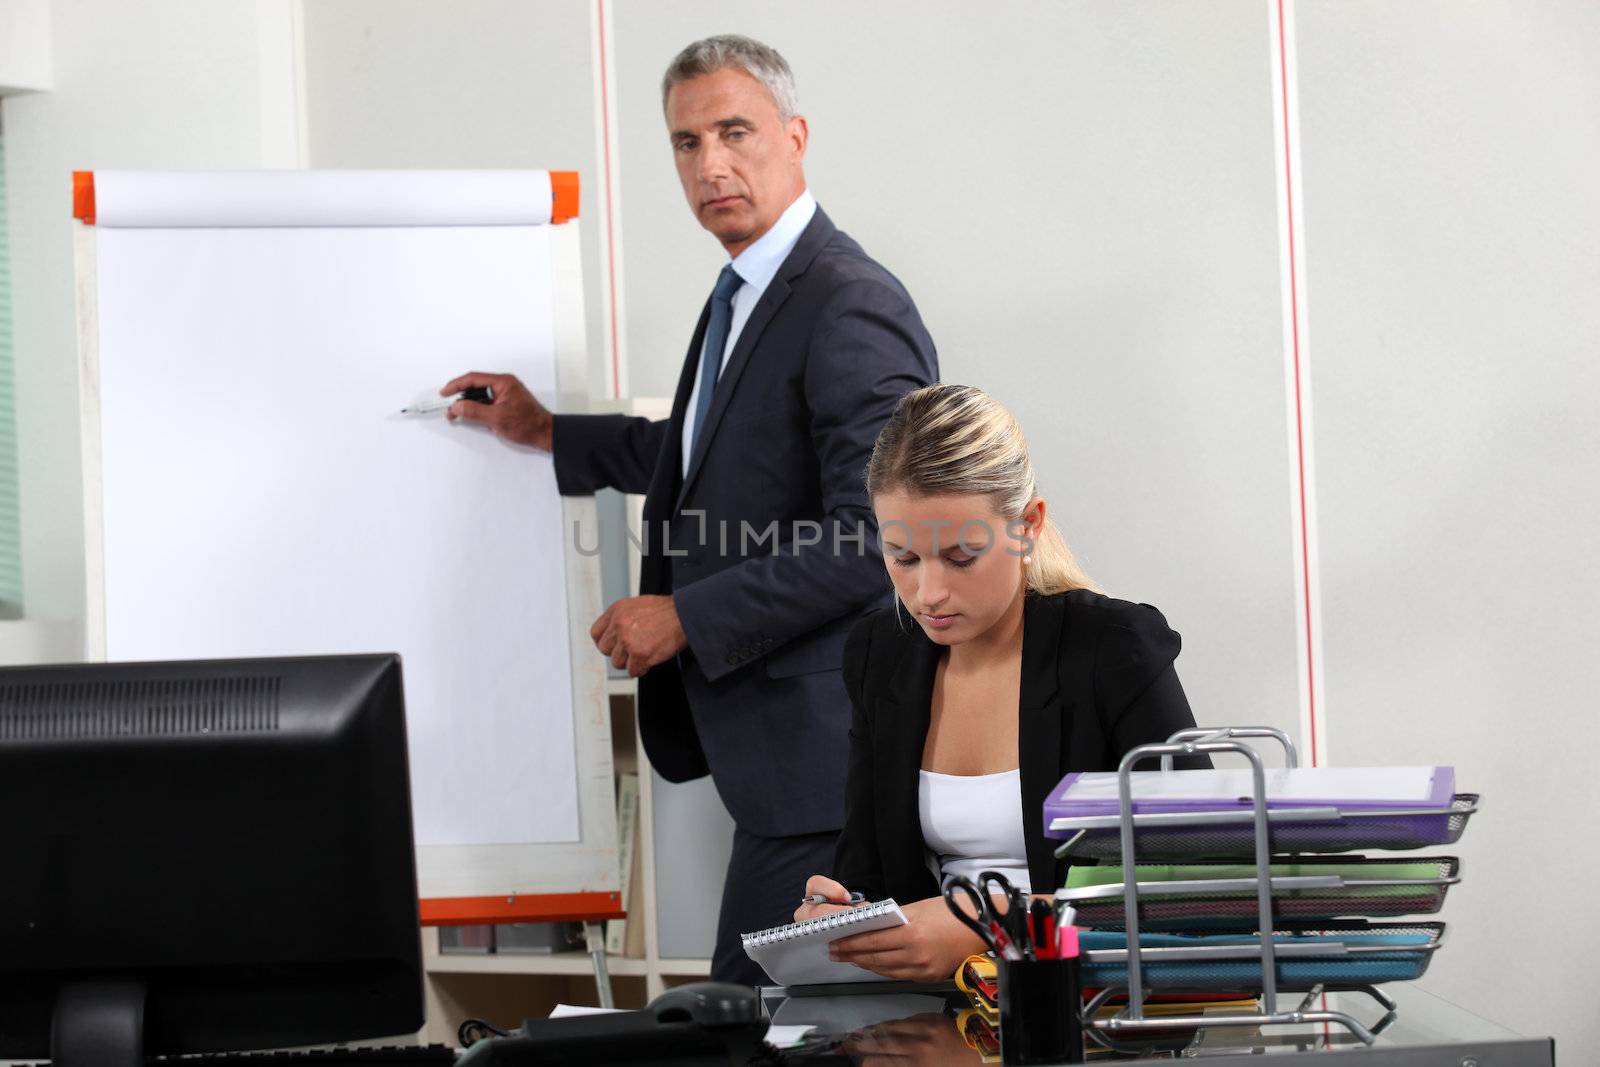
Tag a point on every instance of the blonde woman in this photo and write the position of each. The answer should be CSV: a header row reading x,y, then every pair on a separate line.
x,y
999,669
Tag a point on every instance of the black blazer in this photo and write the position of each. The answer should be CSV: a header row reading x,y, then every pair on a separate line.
x,y
758,699
1097,680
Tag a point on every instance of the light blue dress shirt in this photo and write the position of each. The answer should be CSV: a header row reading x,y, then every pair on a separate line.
x,y
756,265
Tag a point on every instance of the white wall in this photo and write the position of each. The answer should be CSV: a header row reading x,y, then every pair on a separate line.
x,y
1083,199
1453,236
24,45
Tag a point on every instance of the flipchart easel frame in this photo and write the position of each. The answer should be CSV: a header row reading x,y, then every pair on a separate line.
x,y
459,885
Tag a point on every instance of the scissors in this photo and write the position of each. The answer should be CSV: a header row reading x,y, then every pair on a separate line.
x,y
1013,915
1002,927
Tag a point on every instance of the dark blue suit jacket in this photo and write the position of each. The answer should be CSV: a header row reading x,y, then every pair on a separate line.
x,y
758,699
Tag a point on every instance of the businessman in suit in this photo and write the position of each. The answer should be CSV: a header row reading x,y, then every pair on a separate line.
x,y
761,546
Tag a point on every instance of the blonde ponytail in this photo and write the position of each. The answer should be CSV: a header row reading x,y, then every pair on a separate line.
x,y
1054,568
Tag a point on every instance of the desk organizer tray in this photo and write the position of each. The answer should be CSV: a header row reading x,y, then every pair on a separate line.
x,y
1330,954
1218,895
1218,835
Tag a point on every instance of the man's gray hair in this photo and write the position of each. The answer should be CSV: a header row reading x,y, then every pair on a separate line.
x,y
733,52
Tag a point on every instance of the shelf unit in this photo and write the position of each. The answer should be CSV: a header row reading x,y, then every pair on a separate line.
x,y
508,987
573,963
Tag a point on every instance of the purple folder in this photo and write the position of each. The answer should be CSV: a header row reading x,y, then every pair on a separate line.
x,y
1083,794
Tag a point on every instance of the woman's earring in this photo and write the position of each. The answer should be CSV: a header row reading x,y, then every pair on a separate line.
x,y
1027,561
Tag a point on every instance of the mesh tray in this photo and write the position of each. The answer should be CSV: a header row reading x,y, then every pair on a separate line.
x,y
1353,832
1390,888
1375,953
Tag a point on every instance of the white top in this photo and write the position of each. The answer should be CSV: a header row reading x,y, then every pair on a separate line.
x,y
973,823
756,266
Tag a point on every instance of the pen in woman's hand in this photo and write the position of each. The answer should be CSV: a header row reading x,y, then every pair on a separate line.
x,y
823,898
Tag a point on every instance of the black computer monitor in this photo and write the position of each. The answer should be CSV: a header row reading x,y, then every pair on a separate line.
x,y
218,852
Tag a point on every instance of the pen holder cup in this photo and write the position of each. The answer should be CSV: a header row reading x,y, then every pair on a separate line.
x,y
1041,1003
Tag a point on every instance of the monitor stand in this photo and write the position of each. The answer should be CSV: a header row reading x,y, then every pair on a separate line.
x,y
99,1022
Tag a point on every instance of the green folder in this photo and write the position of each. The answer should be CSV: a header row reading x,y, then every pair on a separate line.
x,y
1360,870
1421,891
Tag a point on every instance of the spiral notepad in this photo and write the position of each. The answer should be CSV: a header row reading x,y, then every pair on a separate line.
x,y
797,954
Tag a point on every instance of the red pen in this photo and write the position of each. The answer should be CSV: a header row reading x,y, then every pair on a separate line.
x,y
1042,929
1004,947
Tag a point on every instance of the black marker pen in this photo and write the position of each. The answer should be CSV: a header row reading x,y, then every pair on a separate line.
x,y
478,394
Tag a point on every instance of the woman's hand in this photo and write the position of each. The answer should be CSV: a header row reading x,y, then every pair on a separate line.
x,y
928,948
820,884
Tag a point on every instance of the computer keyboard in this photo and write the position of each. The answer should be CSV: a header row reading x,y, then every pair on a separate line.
x,y
397,1056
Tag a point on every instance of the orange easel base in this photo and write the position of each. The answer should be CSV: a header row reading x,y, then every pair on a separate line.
x,y
540,908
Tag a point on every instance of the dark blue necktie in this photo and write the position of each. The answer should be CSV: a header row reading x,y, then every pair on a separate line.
x,y
716,339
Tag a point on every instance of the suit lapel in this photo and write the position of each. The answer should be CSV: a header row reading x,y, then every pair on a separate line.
x,y
816,234
900,736
665,487
776,293
908,701
1039,730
